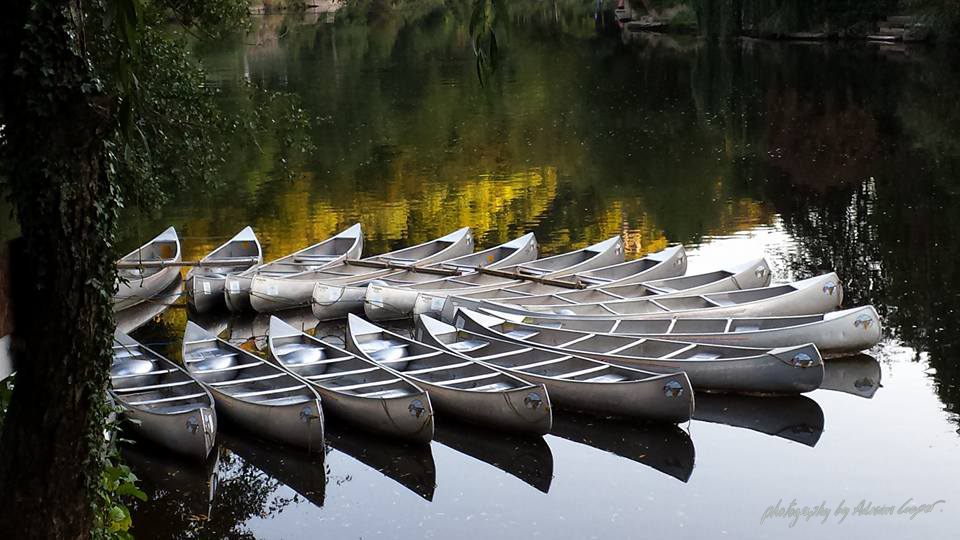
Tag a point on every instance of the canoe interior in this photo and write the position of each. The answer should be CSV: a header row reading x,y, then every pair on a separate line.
x,y
147,381
337,370
313,257
688,282
240,249
433,366
509,355
480,259
242,375
554,263
614,272
623,346
161,250
414,253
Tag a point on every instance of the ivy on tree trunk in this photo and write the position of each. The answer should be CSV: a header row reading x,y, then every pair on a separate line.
x,y
56,118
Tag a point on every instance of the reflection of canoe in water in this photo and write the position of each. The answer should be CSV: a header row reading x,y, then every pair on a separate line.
x,y
858,375
176,489
301,471
410,465
663,447
527,458
136,316
796,418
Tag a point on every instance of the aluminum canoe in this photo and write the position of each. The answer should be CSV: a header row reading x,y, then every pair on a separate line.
x,y
463,388
347,244
205,284
274,293
747,275
390,300
137,285
168,406
574,382
716,368
353,388
818,294
254,393
331,301
835,333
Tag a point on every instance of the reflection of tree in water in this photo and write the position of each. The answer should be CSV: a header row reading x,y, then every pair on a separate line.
x,y
178,501
864,185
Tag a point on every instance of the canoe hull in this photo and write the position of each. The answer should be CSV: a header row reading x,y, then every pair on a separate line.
x,y
330,302
236,292
205,293
298,424
191,433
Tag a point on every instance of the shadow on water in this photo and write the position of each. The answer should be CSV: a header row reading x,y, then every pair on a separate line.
x,y
795,418
303,472
410,465
663,447
527,458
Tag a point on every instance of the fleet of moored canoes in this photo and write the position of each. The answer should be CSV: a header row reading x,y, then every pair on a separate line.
x,y
502,338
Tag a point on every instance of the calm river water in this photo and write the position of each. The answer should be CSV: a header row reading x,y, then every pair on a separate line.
x,y
819,157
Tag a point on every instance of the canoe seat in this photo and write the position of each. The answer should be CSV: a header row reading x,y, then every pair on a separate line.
x,y
607,378
385,394
542,363
135,389
573,374
397,260
340,374
468,345
679,351
624,347
168,399
521,334
415,372
228,368
492,387
289,400
242,395
158,372
315,258
351,387
249,380
470,379
184,407
512,352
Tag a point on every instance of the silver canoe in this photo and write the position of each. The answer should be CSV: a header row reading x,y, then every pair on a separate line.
x,y
460,387
718,368
429,299
332,251
835,333
748,275
205,284
354,388
389,295
275,293
136,285
814,295
253,392
167,405
390,300
574,382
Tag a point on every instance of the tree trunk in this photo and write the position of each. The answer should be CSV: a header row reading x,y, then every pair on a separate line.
x,y
56,120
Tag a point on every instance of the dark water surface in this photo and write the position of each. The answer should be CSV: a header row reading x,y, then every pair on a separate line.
x,y
817,156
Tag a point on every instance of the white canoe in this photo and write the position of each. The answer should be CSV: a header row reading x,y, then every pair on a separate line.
x,y
667,263
353,388
463,388
718,368
254,393
574,382
809,296
332,251
275,293
384,301
836,333
205,283
167,405
349,298
748,275
136,285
